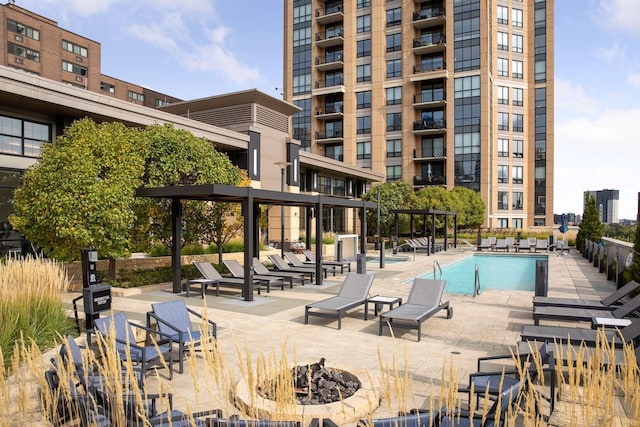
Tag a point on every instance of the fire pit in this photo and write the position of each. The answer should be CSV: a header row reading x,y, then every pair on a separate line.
x,y
316,385
320,391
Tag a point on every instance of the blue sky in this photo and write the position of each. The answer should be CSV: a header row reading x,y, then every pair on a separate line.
x,y
197,48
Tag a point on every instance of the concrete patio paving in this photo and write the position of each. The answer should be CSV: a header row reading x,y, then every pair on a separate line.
x,y
274,322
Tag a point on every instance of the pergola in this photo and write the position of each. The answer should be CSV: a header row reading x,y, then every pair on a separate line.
x,y
424,213
250,200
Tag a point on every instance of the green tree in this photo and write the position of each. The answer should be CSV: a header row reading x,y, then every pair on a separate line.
x,y
635,265
177,157
81,192
470,207
393,195
590,227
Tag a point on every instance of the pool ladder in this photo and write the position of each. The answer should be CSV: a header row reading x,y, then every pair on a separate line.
x,y
436,264
476,282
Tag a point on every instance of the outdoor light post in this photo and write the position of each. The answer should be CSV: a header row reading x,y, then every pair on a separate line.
x,y
378,224
283,166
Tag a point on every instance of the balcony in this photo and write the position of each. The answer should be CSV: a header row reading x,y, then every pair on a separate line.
x,y
421,157
329,15
420,102
426,45
329,138
420,75
424,181
328,87
327,39
425,127
428,18
330,111
330,62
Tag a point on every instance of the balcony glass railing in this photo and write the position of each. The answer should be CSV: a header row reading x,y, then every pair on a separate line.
x,y
429,39
336,81
429,180
432,12
429,124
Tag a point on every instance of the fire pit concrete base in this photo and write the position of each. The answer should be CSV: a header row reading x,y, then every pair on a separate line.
x,y
351,409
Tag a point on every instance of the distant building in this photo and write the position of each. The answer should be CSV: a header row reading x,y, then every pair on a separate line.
x,y
607,204
572,218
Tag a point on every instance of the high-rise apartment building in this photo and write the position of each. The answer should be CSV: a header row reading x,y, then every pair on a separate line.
x,y
607,204
435,93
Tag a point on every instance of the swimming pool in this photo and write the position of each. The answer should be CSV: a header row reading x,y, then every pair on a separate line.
x,y
504,272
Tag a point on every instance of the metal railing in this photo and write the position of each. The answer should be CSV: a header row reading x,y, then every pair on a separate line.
x,y
436,266
476,282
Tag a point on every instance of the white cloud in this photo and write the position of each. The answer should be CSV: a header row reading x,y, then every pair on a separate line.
x,y
594,154
610,54
634,79
621,14
571,100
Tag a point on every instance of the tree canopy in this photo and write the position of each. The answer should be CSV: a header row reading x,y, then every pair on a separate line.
x,y
591,228
81,193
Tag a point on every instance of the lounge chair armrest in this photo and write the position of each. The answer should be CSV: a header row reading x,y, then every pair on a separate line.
x,y
212,324
512,357
217,413
150,331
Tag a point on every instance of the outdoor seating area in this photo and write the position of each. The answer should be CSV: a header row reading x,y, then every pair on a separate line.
x,y
407,308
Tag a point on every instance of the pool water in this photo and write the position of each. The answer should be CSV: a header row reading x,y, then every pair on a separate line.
x,y
503,272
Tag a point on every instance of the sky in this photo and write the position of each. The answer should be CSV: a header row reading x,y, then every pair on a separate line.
x,y
197,48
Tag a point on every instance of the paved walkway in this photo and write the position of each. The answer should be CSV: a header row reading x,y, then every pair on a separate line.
x,y
274,323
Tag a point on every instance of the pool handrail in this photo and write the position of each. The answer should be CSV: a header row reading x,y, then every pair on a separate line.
x,y
476,282
437,264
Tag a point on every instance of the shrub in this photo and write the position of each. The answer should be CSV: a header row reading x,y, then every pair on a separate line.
x,y
159,250
192,250
30,304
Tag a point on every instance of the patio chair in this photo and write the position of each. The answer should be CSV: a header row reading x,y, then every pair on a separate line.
x,y
541,245
311,259
501,245
574,314
297,262
172,318
210,273
353,292
260,269
145,356
485,244
237,270
578,336
607,303
281,265
414,418
511,242
524,245
425,300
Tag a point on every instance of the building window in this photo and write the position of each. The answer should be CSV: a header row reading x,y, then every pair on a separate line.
x,y
394,68
394,148
23,30
394,42
394,17
135,96
363,23
363,125
161,102
517,200
363,3
503,174
363,48
394,173
467,87
363,73
394,95
541,71
302,36
503,67
74,68
23,52
518,122
503,15
517,174
516,17
363,99
432,146
302,14
518,95
363,150
517,69
394,121
517,43
23,137
503,95
503,147
107,87
518,148
301,84
432,92
503,121
516,223
503,41
75,49
503,200
335,152
503,223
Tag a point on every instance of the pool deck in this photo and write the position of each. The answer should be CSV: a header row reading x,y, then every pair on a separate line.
x,y
484,325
